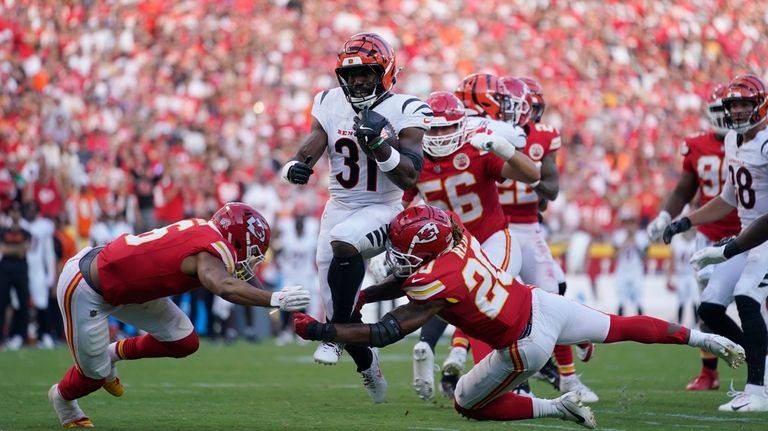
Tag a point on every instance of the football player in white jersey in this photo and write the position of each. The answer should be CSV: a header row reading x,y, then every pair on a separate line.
x,y
41,261
373,140
746,149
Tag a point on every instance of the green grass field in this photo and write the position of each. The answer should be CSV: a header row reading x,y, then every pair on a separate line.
x,y
264,387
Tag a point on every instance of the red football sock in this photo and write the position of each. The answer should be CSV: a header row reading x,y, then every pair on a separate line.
x,y
479,349
147,346
75,384
507,407
564,358
459,339
645,329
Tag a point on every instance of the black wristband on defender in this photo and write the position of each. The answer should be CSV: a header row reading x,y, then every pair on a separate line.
x,y
731,249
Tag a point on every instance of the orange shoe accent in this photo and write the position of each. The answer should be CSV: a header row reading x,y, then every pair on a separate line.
x,y
115,388
706,381
80,423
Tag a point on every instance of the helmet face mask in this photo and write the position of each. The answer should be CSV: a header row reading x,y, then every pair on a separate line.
x,y
537,102
448,129
520,98
716,110
360,84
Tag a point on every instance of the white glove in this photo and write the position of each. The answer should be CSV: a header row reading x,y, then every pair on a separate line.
x,y
291,298
378,268
656,227
486,140
708,256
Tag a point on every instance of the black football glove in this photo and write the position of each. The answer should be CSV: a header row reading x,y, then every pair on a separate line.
x,y
368,127
299,173
676,227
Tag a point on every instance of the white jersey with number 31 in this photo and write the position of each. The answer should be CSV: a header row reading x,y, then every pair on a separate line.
x,y
747,185
355,179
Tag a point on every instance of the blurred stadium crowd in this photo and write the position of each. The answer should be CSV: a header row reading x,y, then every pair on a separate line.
x,y
146,112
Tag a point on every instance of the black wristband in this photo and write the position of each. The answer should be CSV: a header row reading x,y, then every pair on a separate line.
x,y
731,249
317,331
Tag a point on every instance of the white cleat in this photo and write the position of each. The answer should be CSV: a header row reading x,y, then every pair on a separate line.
x,y
69,412
752,399
573,383
423,371
328,353
374,381
725,349
571,408
455,362
584,351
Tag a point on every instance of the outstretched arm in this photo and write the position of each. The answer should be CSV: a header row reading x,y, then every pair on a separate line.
x,y
392,327
386,290
213,275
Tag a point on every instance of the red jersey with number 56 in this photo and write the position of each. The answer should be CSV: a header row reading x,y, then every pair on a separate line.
x,y
518,200
704,158
138,268
486,302
464,182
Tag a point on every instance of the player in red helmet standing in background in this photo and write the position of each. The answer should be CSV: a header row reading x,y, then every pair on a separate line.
x,y
460,176
704,173
131,279
444,272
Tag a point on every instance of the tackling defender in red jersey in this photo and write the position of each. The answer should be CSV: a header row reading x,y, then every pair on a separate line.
x,y
131,279
462,178
705,173
447,274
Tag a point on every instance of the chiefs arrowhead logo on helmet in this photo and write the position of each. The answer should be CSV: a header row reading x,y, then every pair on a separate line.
x,y
416,236
246,231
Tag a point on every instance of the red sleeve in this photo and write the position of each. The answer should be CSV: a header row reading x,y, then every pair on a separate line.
x,y
493,166
689,164
555,142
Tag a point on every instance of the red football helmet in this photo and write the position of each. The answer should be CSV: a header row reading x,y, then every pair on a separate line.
x,y
416,236
538,104
750,89
366,52
483,95
521,99
248,233
448,129
715,109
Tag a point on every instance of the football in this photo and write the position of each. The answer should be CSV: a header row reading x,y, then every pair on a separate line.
x,y
390,137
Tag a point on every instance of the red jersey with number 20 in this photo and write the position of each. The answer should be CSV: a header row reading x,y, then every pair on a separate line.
x,y
704,158
464,182
518,200
486,302
138,268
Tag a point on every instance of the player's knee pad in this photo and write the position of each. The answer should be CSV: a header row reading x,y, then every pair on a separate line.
x,y
184,347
